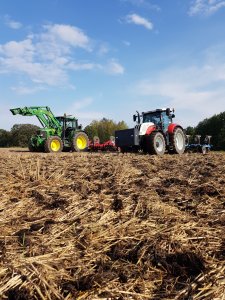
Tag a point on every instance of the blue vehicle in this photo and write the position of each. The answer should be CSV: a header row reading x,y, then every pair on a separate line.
x,y
198,146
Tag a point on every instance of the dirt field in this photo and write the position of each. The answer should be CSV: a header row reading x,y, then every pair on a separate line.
x,y
111,226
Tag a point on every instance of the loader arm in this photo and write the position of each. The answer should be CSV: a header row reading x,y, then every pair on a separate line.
x,y
43,113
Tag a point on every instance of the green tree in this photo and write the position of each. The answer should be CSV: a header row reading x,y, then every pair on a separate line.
x,y
191,132
5,138
214,126
104,129
21,133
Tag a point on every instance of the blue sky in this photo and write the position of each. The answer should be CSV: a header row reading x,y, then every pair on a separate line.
x,y
109,58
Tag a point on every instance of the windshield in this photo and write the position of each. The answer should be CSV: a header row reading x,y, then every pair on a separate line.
x,y
69,122
151,117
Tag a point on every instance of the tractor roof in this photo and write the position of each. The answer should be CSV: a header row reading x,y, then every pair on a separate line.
x,y
154,111
66,117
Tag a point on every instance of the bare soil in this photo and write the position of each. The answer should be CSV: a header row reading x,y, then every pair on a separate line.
x,y
111,226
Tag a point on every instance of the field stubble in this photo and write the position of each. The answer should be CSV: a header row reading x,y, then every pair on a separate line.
x,y
112,226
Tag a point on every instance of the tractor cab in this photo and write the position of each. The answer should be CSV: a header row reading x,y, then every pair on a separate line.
x,y
162,118
68,124
67,121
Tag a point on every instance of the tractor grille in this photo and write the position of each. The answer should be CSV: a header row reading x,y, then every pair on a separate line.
x,y
43,134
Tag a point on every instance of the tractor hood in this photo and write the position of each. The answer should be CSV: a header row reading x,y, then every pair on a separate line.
x,y
144,127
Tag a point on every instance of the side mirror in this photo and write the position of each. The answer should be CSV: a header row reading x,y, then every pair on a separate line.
x,y
80,127
173,116
134,118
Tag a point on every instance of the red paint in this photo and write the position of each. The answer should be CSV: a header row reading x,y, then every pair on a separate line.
x,y
150,129
108,145
171,127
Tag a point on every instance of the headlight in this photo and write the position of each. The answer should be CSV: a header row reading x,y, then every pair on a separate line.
x,y
43,134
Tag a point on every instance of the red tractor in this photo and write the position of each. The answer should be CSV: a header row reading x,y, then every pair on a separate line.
x,y
154,133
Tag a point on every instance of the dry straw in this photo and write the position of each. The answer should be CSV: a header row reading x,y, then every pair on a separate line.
x,y
112,226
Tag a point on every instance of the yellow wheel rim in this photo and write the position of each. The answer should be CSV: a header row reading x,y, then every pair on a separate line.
x,y
81,142
55,145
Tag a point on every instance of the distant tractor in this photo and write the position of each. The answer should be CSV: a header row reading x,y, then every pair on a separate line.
x,y
58,133
154,133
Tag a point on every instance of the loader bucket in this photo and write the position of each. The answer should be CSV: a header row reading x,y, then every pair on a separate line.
x,y
15,111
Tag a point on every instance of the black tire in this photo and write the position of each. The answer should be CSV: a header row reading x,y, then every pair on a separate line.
x,y
123,149
144,142
178,141
80,142
31,147
156,143
53,144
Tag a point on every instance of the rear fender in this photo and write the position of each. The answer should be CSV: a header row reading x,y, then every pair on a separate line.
x,y
172,127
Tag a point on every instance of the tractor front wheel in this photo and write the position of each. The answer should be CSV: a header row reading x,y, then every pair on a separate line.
x,y
53,144
31,147
178,141
80,142
156,143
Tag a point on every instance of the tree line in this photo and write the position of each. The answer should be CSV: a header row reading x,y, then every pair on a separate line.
x,y
20,134
214,126
104,129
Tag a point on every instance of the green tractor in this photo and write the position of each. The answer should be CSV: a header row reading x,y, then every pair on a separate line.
x,y
58,133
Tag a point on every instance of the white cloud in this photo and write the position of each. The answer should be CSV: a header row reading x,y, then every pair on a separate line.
x,y
103,49
41,73
47,57
70,35
12,49
11,23
83,66
205,7
138,20
114,68
196,92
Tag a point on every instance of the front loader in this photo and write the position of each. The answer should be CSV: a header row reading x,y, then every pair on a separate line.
x,y
58,133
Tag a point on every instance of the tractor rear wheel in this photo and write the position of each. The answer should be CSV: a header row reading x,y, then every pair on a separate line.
x,y
80,142
53,144
178,141
156,143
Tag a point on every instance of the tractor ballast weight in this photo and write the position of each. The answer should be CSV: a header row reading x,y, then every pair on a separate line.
x,y
58,133
154,133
